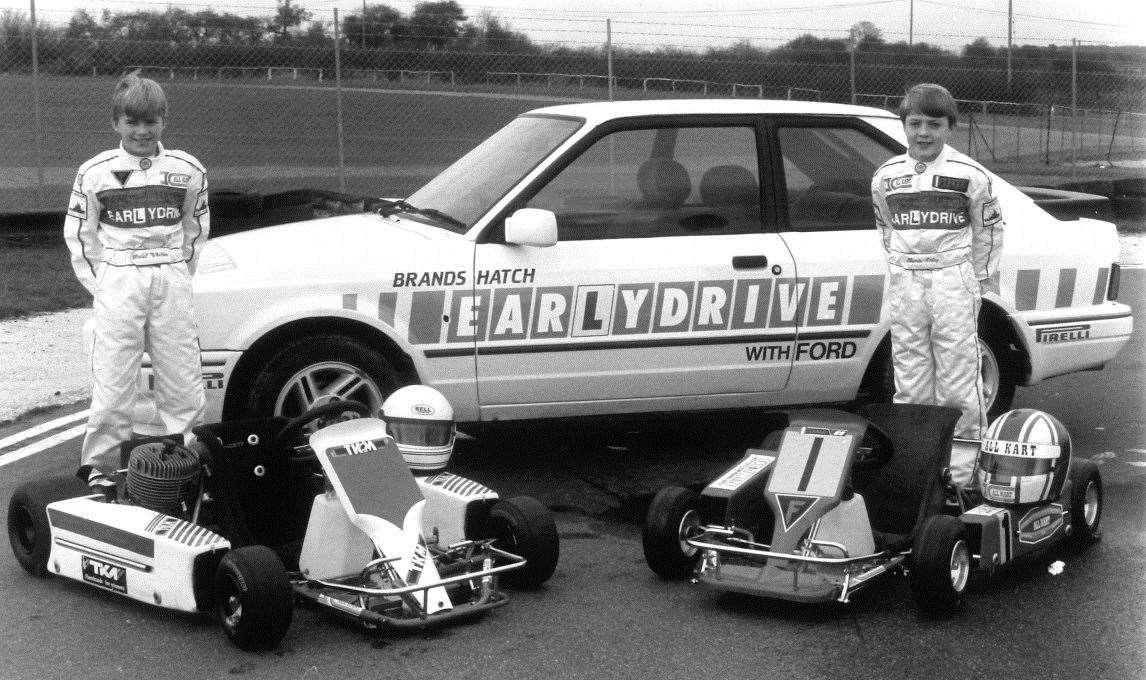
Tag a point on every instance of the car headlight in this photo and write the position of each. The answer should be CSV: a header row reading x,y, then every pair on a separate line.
x,y
214,259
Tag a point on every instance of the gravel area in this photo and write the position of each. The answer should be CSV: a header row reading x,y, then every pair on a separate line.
x,y
43,362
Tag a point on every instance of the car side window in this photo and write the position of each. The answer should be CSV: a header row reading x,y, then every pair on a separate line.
x,y
827,171
679,181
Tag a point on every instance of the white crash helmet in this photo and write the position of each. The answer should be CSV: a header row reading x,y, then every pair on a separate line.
x,y
421,422
1023,458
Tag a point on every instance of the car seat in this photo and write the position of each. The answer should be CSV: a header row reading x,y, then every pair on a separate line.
x,y
664,183
733,191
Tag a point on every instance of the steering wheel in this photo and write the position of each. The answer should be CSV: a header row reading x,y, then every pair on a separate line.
x,y
293,429
874,450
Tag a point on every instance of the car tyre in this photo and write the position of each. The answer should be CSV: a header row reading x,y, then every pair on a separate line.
x,y
319,369
672,517
940,567
28,529
253,598
1085,502
524,526
1000,375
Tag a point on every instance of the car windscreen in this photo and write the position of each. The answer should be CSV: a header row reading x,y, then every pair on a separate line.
x,y
467,189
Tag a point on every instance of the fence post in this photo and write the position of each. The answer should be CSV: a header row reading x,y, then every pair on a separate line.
x,y
1074,105
609,53
852,67
1113,134
338,99
36,122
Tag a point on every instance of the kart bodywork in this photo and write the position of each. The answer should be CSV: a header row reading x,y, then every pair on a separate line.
x,y
350,529
835,500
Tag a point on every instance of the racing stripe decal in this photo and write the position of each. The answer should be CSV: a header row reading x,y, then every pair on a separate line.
x,y
387,304
459,485
867,299
112,536
1026,289
1100,286
1065,294
350,301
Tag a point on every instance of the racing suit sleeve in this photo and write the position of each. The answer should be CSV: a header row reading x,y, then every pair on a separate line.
x,y
879,207
80,226
986,230
196,220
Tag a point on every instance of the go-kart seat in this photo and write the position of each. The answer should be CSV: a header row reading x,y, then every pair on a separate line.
x,y
908,488
261,496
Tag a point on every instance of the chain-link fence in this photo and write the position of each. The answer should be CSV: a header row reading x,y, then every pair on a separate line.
x,y
376,115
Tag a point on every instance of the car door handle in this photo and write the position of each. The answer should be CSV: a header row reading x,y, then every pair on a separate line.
x,y
749,261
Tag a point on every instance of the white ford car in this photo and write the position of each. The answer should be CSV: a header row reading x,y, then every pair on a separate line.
x,y
630,257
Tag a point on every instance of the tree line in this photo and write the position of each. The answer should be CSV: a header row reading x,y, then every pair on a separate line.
x,y
440,36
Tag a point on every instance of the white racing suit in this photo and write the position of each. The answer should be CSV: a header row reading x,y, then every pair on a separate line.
x,y
135,227
942,233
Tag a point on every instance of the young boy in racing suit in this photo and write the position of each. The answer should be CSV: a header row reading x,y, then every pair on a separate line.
x,y
942,234
136,223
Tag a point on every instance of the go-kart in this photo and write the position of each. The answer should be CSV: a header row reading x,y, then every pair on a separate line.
x,y
251,518
834,500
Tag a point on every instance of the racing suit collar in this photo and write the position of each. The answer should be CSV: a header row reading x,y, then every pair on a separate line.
x,y
125,155
944,153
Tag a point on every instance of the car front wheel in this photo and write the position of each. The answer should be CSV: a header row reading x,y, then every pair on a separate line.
x,y
318,370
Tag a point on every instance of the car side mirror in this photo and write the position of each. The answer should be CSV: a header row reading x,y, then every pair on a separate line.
x,y
531,227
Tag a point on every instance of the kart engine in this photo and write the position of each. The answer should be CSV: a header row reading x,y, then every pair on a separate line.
x,y
163,476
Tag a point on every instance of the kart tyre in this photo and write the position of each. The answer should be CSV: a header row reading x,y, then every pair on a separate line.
x,y
28,528
253,598
318,369
524,526
671,517
940,566
1085,502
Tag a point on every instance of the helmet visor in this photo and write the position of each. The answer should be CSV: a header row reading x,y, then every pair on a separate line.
x,y
420,432
1016,466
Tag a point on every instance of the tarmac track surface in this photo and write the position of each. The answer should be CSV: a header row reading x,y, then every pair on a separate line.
x,y
604,615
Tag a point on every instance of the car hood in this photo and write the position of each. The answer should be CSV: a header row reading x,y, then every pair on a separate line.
x,y
322,250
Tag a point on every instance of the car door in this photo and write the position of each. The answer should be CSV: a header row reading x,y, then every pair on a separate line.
x,y
829,227
664,287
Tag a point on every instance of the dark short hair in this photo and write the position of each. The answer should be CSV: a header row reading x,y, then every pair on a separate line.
x,y
929,99
138,97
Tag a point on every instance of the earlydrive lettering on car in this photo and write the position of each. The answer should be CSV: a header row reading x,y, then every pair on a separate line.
x,y
627,311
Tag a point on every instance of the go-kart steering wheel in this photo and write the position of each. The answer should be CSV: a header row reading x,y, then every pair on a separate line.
x,y
294,427
874,450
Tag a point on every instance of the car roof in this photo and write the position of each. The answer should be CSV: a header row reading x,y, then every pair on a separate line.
x,y
601,111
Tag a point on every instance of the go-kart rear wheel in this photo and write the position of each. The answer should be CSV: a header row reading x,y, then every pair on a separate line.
x,y
28,528
1085,502
524,526
253,598
940,565
671,519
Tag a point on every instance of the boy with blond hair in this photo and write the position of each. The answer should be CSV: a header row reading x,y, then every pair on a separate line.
x,y
136,223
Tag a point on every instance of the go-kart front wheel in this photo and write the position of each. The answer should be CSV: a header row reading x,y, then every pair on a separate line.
x,y
254,601
940,566
28,528
1085,502
524,526
672,518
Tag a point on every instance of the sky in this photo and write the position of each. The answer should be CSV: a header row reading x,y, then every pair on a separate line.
x,y
766,24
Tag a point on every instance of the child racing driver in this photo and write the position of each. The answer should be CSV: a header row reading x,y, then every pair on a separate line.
x,y
942,234
136,222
